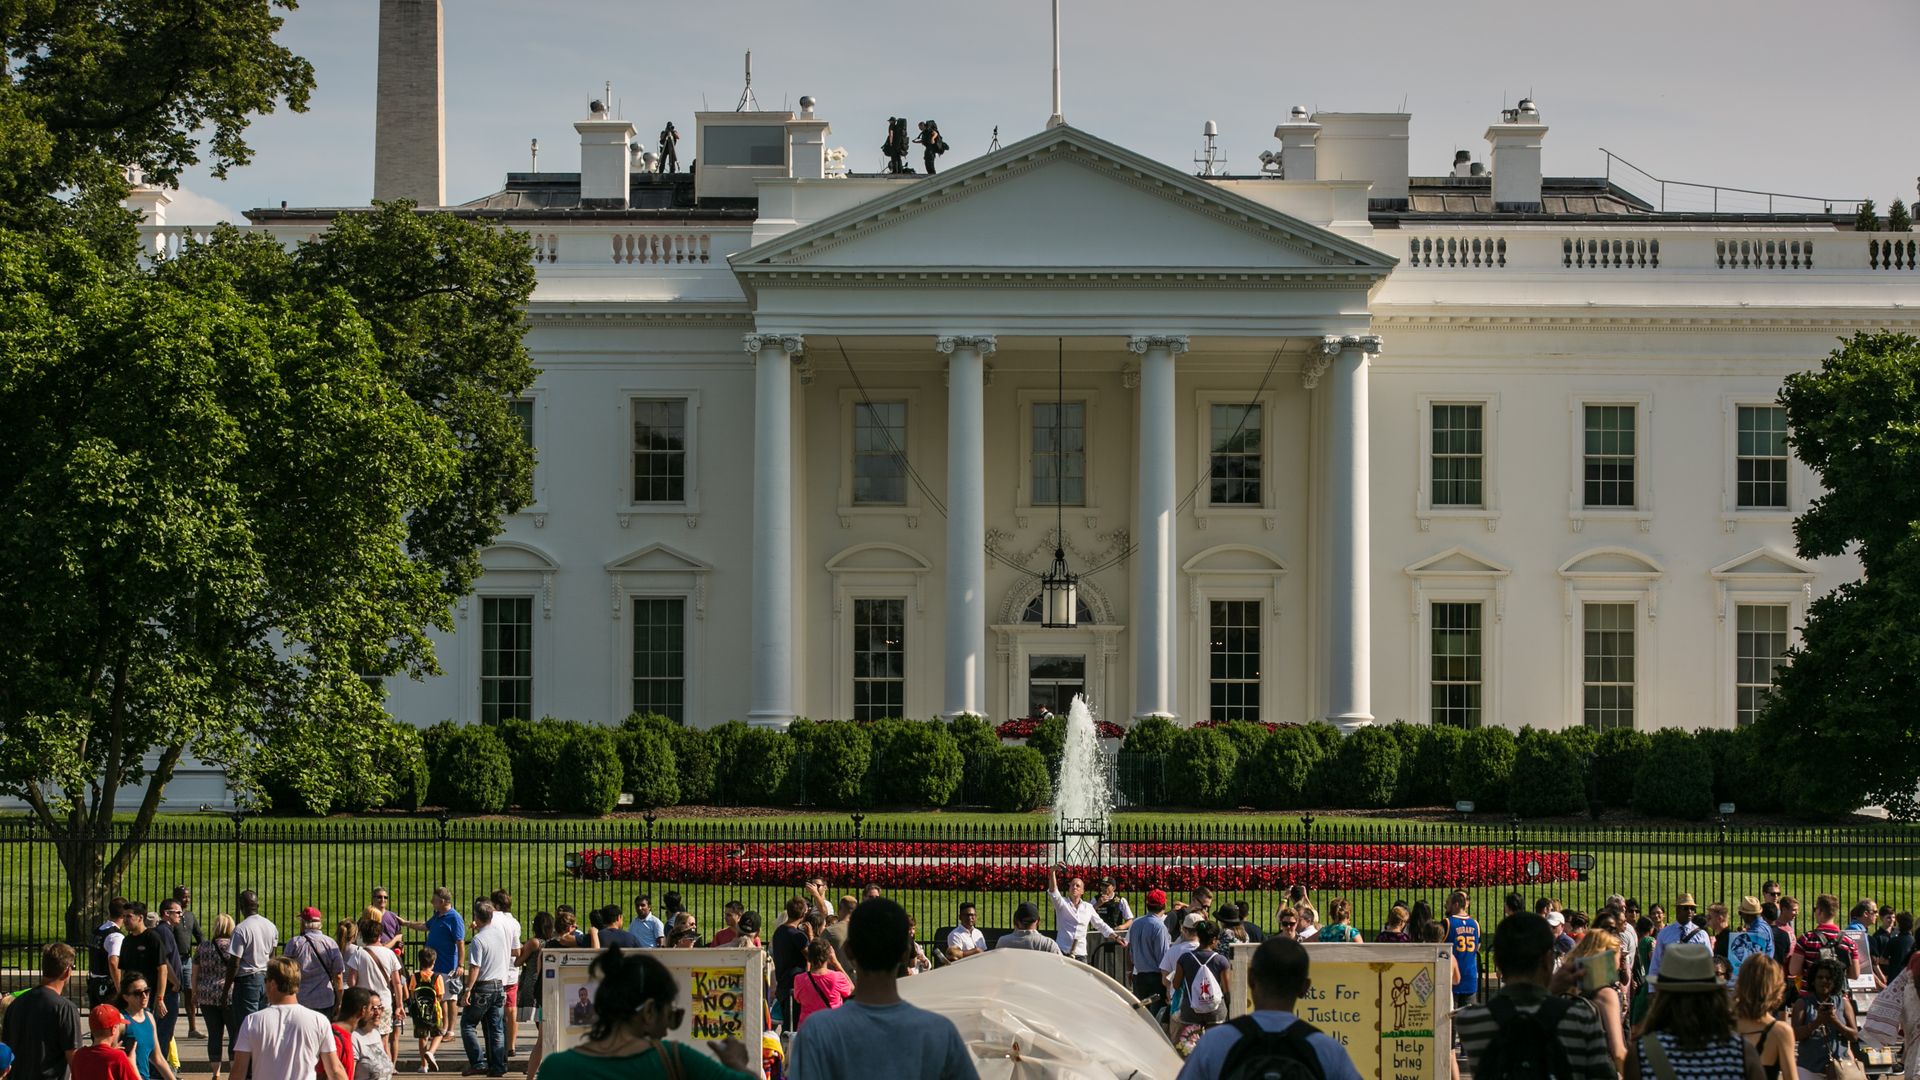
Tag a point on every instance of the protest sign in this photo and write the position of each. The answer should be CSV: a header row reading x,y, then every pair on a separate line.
x,y
1388,1005
720,990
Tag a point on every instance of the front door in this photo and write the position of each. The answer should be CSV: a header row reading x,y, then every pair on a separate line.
x,y
1052,682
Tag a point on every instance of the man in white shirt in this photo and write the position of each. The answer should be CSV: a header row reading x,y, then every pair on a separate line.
x,y
252,944
1075,916
966,939
483,1001
510,929
285,1041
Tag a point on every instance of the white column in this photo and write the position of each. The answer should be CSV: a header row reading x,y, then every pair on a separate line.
x,y
1153,629
1349,549
771,703
965,689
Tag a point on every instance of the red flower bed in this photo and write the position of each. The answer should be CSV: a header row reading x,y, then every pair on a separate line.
x,y
1024,728
991,867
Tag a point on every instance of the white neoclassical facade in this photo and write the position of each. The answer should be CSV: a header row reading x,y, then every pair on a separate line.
x,y
1460,449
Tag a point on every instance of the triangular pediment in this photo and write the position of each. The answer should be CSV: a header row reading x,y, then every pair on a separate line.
x,y
1456,562
1613,562
658,559
1763,563
1059,201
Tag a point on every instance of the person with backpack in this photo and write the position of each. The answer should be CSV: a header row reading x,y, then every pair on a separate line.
x,y
1824,942
1689,1028
1527,1029
1271,1041
426,997
1683,930
1205,976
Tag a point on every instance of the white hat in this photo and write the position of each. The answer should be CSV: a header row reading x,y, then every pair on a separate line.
x,y
1554,918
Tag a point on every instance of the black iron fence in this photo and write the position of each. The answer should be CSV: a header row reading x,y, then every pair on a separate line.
x,y
931,866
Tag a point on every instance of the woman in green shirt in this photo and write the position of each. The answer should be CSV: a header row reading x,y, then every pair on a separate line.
x,y
632,1013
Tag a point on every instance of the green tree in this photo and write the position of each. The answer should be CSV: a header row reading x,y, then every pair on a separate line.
x,y
1866,218
1898,219
89,88
1854,680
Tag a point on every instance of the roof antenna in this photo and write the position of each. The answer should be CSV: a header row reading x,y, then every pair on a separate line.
x,y
746,96
1056,120
1403,102
995,144
535,148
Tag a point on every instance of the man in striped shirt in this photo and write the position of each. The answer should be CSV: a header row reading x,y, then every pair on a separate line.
x,y
1523,951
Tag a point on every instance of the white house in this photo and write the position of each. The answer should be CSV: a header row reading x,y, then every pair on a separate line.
x,y
1463,449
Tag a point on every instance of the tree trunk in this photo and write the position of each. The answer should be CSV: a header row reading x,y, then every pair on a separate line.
x,y
84,857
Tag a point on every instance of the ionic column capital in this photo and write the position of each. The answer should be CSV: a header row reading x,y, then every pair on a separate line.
x,y
984,344
791,344
1173,343
1333,345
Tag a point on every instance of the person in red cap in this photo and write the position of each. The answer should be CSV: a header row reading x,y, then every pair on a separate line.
x,y
1147,942
322,968
104,1060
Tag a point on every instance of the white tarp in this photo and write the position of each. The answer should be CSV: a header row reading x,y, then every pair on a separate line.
x,y
1028,1014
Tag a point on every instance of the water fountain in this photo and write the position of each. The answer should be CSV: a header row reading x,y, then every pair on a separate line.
x,y
1083,796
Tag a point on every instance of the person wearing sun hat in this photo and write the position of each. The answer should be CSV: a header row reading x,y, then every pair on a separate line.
x,y
1752,937
1689,1028
1681,930
104,1060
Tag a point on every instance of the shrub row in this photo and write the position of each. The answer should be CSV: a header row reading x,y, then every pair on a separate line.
x,y
572,767
1533,773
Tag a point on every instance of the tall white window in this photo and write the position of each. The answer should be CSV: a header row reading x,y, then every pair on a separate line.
x,y
659,450
1059,453
506,658
1238,453
879,658
1233,648
1458,460
1608,652
1760,646
1457,651
660,656
1610,457
879,453
1761,458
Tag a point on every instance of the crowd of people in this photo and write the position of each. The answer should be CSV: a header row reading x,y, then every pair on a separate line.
x,y
1754,991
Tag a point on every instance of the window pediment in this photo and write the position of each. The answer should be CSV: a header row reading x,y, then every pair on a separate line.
x,y
1456,562
1763,563
658,558
879,557
1235,559
1611,562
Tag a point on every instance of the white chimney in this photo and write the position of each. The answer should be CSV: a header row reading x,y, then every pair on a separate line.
x,y
1297,153
410,103
145,199
605,167
1516,157
1365,146
807,143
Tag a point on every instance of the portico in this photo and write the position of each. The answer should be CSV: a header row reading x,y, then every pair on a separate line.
x,y
945,298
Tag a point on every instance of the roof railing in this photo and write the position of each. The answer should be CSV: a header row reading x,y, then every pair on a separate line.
x,y
1827,205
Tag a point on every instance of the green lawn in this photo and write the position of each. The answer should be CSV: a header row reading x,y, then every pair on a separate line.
x,y
334,863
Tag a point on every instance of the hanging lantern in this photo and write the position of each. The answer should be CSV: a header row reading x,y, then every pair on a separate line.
x,y
1059,595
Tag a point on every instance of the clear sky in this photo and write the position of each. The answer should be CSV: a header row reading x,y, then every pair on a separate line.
x,y
1777,95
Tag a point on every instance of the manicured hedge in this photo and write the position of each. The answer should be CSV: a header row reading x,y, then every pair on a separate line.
x,y
572,767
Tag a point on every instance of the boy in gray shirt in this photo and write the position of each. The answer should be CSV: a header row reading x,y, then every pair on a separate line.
x,y
874,1033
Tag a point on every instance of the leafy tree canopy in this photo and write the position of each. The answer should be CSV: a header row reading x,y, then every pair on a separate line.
x,y
236,482
1855,678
